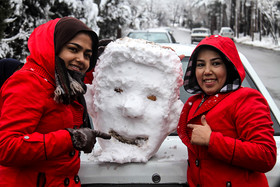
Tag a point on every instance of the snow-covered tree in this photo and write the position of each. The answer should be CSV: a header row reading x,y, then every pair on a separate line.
x,y
25,16
4,13
270,9
28,14
114,18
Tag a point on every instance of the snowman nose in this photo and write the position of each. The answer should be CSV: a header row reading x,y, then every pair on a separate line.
x,y
133,107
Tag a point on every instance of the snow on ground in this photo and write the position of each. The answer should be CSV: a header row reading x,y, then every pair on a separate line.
x,y
266,42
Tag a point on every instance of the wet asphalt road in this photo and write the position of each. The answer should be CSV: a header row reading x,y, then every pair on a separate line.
x,y
266,63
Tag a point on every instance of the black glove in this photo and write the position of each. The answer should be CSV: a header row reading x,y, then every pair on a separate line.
x,y
83,139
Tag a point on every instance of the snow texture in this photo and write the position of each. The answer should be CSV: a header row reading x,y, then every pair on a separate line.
x,y
134,97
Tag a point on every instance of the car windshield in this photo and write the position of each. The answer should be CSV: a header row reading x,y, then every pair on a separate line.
x,y
157,37
248,82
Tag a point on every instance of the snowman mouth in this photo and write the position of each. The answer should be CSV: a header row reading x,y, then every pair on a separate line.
x,y
138,141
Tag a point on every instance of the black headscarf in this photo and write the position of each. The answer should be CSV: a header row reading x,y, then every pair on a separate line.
x,y
7,67
67,28
69,84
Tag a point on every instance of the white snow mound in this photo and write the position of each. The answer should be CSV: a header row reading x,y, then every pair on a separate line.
x,y
134,97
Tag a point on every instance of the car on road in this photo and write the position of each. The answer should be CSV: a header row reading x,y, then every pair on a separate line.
x,y
153,35
226,32
168,167
199,34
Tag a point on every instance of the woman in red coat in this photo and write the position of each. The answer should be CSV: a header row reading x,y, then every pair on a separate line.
x,y
43,118
226,127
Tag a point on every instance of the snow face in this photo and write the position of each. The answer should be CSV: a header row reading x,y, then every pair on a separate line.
x,y
135,98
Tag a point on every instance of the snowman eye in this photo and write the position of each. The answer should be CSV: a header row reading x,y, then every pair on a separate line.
x,y
118,90
152,97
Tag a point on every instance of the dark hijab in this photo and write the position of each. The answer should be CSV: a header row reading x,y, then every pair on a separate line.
x,y
69,84
7,67
67,28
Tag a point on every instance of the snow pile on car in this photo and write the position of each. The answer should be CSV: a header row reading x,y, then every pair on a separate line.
x,y
134,97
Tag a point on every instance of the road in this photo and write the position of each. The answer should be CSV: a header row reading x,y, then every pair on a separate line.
x,y
267,65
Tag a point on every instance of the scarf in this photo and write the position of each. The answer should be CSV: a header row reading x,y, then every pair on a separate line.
x,y
69,84
70,87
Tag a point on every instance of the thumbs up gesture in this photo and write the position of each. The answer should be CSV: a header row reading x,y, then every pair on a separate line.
x,y
200,133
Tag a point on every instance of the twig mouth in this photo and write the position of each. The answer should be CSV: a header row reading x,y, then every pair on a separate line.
x,y
138,141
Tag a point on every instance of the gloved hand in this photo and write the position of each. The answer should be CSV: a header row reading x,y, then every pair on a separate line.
x,y
83,139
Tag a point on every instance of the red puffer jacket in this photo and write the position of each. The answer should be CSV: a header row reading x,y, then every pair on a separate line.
x,y
241,147
35,148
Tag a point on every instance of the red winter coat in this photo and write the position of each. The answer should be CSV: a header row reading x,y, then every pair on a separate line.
x,y
241,147
34,147
89,77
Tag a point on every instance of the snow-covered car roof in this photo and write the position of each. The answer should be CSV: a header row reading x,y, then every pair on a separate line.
x,y
157,35
181,49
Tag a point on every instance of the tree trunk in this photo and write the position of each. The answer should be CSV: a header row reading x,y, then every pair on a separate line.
x,y
260,23
252,20
237,18
232,14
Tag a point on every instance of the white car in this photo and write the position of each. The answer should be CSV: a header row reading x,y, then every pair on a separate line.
x,y
153,35
199,34
227,32
169,165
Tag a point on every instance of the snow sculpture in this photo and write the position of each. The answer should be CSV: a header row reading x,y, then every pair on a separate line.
x,y
135,98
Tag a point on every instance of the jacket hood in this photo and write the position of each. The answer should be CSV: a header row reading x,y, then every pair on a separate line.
x,y
41,47
48,38
227,49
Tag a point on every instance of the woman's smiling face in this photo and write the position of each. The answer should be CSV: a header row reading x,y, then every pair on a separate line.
x,y
77,53
210,71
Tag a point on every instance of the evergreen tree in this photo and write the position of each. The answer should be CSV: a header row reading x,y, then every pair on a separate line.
x,y
59,9
5,11
25,16
115,15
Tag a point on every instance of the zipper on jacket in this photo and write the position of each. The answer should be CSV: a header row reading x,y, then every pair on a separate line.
x,y
202,101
